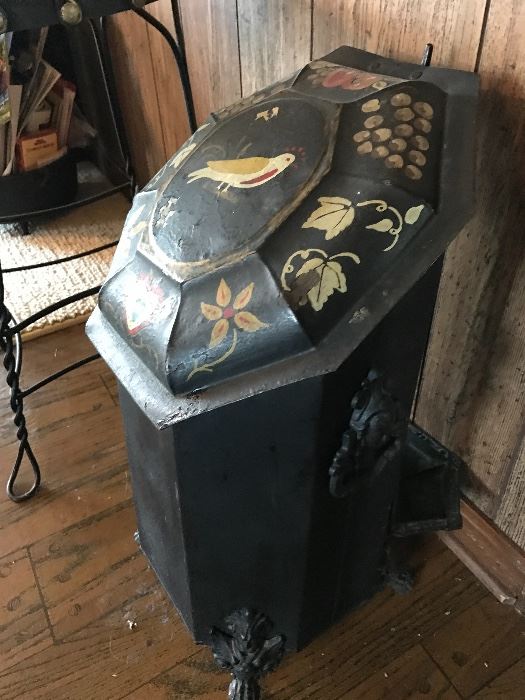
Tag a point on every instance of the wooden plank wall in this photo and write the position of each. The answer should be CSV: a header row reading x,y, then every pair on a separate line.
x,y
149,89
473,390
473,394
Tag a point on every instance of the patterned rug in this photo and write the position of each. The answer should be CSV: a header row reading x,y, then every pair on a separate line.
x,y
81,229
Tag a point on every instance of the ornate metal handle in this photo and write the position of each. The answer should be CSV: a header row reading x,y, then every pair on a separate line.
x,y
372,439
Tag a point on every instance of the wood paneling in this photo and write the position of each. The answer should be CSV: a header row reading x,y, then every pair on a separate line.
x,y
212,48
149,88
274,40
130,44
511,512
401,28
170,98
473,393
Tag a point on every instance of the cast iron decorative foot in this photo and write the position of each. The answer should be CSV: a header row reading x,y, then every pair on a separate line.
x,y
247,651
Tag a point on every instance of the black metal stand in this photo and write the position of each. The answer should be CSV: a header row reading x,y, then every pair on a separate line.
x,y
11,345
10,329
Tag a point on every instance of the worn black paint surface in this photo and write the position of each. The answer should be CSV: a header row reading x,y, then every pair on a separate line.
x,y
225,334
234,507
204,226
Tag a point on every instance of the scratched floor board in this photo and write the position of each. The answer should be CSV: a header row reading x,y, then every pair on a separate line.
x,y
82,616
507,686
478,645
82,575
23,628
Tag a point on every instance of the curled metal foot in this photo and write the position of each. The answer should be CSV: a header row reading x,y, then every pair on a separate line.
x,y
246,649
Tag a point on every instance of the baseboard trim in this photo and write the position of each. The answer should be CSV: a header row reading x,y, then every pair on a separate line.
x,y
489,554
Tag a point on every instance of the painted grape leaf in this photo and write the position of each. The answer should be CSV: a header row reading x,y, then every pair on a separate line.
x,y
333,216
384,225
331,278
413,214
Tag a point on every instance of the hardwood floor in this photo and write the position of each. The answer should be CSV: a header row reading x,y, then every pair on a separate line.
x,y
82,616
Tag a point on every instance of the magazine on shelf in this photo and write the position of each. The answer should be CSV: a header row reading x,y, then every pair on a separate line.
x,y
36,105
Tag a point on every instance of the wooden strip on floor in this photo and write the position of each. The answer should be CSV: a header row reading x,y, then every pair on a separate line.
x,y
61,508
84,574
23,624
478,645
411,675
490,555
108,658
376,634
195,678
507,686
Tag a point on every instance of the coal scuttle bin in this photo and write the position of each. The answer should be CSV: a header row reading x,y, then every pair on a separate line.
x,y
267,315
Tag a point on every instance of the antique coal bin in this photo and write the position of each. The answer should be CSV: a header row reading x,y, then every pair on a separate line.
x,y
266,315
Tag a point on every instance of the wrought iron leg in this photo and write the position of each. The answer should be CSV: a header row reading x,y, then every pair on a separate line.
x,y
11,346
247,651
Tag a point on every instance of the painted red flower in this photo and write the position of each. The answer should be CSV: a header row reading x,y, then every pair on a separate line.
x,y
349,79
225,311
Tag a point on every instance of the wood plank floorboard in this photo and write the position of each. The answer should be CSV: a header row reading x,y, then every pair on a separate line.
x,y
82,616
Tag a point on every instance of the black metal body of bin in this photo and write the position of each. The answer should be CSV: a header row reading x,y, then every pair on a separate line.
x,y
267,315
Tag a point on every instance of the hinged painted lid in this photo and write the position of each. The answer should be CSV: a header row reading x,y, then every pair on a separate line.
x,y
285,229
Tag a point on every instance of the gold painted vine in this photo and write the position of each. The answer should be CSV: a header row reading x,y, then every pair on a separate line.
x,y
333,216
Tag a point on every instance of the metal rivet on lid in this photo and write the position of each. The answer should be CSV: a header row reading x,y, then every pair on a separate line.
x,y
71,12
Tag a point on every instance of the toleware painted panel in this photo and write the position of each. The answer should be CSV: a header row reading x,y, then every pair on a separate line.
x,y
277,219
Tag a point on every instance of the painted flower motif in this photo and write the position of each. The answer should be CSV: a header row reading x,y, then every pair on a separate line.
x,y
332,76
225,312
349,79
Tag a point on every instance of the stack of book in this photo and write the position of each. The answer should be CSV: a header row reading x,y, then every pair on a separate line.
x,y
36,105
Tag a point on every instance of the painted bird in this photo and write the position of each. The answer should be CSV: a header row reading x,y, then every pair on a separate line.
x,y
243,172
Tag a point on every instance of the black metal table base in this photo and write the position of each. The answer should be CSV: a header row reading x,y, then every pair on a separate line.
x,y
10,329
12,348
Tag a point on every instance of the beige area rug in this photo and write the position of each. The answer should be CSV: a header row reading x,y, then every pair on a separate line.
x,y
84,228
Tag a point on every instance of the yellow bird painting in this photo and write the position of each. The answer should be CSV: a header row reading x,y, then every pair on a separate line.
x,y
243,172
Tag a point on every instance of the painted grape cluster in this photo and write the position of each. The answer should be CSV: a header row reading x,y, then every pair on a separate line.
x,y
401,141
